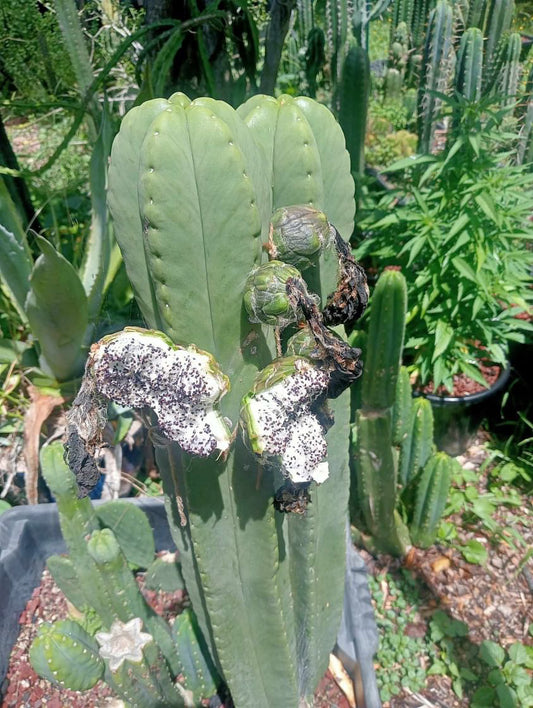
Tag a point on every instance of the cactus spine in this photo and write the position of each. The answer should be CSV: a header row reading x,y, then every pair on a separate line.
x,y
394,464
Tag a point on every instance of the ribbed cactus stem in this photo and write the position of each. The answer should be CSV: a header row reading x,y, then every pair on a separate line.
x,y
191,216
385,341
468,69
401,411
498,23
431,495
418,443
436,69
127,602
65,654
354,93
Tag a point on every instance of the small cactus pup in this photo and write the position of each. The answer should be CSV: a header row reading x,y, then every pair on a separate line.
x,y
65,654
144,369
278,421
298,235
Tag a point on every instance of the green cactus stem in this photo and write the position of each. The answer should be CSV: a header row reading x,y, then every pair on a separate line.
x,y
401,410
199,673
65,654
299,235
417,445
436,71
431,495
354,94
468,69
192,188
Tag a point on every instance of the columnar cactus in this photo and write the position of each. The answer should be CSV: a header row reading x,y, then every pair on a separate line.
x,y
437,65
192,187
394,463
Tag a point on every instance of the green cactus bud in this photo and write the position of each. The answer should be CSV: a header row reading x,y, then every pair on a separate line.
x,y
303,343
278,422
64,653
299,235
265,295
141,368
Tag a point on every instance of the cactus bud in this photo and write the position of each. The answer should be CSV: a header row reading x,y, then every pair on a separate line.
x,y
299,235
265,294
142,368
278,422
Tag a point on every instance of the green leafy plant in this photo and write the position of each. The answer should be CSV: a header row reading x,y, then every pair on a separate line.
x,y
400,657
489,674
477,504
459,237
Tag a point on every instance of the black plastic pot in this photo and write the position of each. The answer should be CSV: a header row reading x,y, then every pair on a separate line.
x,y
457,419
30,534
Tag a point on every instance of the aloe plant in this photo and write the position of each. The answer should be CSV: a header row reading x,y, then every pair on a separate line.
x,y
193,186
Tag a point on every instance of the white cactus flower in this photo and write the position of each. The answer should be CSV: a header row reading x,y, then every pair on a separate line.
x,y
124,641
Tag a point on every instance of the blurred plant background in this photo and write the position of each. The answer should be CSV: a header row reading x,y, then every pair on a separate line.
x,y
435,99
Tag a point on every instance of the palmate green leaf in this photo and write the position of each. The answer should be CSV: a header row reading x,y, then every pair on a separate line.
x,y
464,269
487,206
56,306
443,337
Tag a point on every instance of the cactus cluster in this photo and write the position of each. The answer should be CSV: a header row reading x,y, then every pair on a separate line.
x,y
125,641
394,462
200,194
467,51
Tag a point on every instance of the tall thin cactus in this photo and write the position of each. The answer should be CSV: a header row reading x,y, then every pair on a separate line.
x,y
436,72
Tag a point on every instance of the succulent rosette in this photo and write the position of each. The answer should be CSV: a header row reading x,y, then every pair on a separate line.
x,y
299,235
143,368
278,422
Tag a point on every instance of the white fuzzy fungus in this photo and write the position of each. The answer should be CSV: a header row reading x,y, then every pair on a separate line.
x,y
139,369
280,424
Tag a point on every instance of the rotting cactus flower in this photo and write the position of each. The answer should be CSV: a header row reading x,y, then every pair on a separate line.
x,y
265,295
278,422
143,368
299,235
124,641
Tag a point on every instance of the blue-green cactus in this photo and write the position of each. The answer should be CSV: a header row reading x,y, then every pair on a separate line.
x,y
192,187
